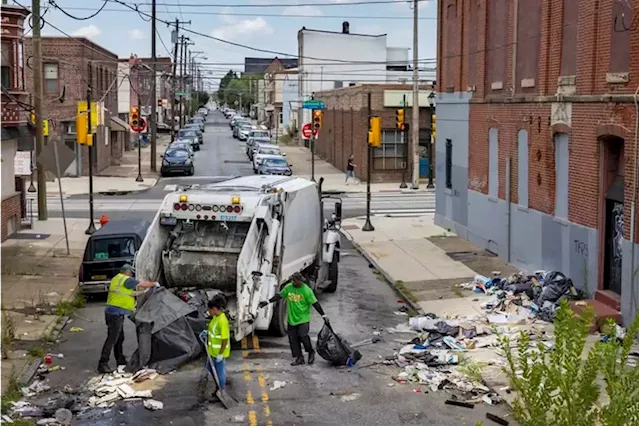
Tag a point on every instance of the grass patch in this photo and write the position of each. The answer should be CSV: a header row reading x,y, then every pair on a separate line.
x,y
458,292
65,308
409,295
472,370
36,351
8,334
11,395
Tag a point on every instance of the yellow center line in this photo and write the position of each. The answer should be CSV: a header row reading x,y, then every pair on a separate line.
x,y
243,343
250,399
253,418
256,343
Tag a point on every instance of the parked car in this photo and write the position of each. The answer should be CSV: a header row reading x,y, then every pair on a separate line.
x,y
110,247
181,144
256,146
199,121
274,165
239,125
264,150
188,131
243,133
259,133
191,140
251,141
177,160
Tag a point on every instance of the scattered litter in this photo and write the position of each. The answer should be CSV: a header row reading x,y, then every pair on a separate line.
x,y
153,405
64,416
28,321
6,419
50,421
277,385
76,329
458,403
497,419
144,374
238,418
349,397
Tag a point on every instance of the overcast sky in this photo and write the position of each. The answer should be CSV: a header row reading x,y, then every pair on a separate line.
x,y
250,22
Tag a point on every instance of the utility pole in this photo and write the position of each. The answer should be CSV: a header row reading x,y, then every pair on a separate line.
x,y
173,83
182,48
405,137
367,227
415,107
39,95
92,227
154,102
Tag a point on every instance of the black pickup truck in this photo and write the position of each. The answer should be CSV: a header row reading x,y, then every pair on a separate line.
x,y
110,247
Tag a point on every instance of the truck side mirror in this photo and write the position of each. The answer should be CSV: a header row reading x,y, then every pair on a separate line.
x,y
338,208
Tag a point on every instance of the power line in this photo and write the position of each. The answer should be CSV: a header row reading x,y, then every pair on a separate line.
x,y
270,15
84,18
267,5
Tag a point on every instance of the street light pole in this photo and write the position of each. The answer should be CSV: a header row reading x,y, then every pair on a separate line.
x,y
92,227
154,112
139,178
367,224
431,142
415,106
403,134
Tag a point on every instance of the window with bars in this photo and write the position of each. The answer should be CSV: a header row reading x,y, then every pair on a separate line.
x,y
392,153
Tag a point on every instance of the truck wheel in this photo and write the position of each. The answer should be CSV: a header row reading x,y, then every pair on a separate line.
x,y
278,324
333,274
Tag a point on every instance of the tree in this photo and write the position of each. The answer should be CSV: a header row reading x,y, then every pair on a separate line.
x,y
224,83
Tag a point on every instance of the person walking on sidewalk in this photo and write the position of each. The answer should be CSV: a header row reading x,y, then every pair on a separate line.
x,y
299,298
351,167
120,303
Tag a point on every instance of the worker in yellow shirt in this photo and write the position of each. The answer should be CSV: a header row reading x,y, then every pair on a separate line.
x,y
218,345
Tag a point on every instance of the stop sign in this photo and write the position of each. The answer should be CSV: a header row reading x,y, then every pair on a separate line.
x,y
307,131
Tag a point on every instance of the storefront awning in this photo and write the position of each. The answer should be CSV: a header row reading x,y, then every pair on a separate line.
x,y
119,125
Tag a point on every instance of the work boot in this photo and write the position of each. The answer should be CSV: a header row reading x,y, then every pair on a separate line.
x,y
312,357
122,362
298,361
104,368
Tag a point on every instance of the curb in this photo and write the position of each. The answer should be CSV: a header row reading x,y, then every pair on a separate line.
x,y
387,278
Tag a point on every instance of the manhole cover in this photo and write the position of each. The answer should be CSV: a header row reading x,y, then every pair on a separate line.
x,y
29,236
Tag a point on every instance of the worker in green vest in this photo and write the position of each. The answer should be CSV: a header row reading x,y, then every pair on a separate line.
x,y
218,339
120,303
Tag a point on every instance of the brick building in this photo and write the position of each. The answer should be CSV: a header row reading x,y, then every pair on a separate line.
x,y
345,128
15,102
65,64
537,136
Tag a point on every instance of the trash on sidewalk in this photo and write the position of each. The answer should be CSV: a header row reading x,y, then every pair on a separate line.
x,y
76,329
153,405
350,397
277,385
333,348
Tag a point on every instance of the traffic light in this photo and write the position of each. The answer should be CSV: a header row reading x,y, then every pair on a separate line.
x,y
317,119
134,117
400,119
375,132
159,102
433,127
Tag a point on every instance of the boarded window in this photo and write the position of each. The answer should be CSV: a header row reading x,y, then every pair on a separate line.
x,y
496,60
448,164
493,162
392,152
621,28
569,37
473,42
562,175
528,47
523,168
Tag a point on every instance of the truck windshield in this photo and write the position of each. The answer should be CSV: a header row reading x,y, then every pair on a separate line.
x,y
113,248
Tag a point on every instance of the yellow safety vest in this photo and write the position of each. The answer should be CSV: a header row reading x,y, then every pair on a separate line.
x,y
218,327
119,295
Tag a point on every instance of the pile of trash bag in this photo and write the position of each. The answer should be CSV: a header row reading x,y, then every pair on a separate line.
x,y
333,348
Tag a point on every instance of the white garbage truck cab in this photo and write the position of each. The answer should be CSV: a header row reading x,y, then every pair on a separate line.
x,y
243,237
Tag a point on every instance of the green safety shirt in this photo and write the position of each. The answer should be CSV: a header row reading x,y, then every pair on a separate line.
x,y
299,302
218,331
119,295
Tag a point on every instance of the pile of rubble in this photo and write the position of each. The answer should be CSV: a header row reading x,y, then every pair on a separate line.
x,y
58,407
441,352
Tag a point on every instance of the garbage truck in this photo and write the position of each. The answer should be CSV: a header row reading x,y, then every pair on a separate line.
x,y
244,237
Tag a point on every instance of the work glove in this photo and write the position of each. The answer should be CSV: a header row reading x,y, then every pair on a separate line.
x,y
263,304
326,320
203,335
219,359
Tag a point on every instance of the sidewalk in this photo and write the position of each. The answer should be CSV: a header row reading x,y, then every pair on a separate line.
x,y
426,264
334,179
101,185
128,167
37,276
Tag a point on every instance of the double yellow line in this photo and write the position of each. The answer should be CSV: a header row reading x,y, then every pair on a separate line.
x,y
264,396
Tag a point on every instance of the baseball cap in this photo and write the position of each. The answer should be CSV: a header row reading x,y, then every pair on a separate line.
x,y
127,267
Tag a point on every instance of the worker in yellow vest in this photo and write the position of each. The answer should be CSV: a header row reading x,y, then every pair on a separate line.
x,y
120,303
218,344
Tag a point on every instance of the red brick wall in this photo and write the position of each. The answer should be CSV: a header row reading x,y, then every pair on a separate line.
x,y
10,209
345,127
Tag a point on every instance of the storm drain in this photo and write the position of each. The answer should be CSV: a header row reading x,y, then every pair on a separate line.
x,y
469,255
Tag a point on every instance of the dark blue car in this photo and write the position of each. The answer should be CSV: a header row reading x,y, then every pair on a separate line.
x,y
275,166
177,160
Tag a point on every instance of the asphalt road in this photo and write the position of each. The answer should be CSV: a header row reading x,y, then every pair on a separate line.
x,y
222,157
312,395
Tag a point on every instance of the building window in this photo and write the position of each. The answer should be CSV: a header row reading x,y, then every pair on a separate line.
x,y
6,64
449,163
392,153
51,81
351,84
569,37
337,84
562,175
523,168
493,162
20,67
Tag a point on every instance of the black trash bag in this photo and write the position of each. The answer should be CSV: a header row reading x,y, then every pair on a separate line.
x,y
522,287
445,329
335,349
556,285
